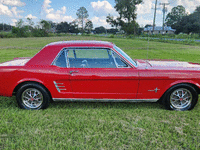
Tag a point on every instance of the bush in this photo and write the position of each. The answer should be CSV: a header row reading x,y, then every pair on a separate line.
x,y
182,36
112,36
195,36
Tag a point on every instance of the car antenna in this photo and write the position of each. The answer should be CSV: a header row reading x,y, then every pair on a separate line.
x,y
147,51
148,46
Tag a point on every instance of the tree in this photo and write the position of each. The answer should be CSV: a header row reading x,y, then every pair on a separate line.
x,y
89,26
176,14
5,27
20,30
73,27
100,30
30,23
127,8
112,31
190,23
20,23
82,15
45,25
148,25
63,27
127,12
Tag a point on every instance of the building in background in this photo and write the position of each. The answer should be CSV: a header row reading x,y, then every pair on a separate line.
x,y
159,30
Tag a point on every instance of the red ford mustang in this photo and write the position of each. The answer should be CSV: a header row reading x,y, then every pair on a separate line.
x,y
97,71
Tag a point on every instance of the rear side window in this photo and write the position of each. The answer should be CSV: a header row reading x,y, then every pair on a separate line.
x,y
61,60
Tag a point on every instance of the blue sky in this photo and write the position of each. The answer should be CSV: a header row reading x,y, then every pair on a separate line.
x,y
65,10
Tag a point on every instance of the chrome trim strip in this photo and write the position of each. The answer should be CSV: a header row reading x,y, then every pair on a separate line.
x,y
65,49
104,100
58,86
127,61
55,59
120,59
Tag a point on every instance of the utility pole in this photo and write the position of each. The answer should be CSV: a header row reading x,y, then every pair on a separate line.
x,y
154,18
164,10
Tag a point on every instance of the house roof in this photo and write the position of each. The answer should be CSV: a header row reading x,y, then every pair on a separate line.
x,y
159,28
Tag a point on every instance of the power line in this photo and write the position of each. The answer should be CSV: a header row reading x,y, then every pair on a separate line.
x,y
164,10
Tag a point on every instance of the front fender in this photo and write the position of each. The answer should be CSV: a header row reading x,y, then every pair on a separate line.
x,y
180,82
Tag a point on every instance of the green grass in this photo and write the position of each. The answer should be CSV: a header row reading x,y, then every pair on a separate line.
x,y
99,125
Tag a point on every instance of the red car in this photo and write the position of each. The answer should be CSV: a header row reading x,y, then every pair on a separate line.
x,y
97,71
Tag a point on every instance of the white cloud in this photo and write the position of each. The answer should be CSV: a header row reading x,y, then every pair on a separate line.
x,y
190,5
13,3
145,8
31,16
4,10
13,22
143,20
145,11
103,8
100,21
67,18
13,12
16,12
58,15
47,7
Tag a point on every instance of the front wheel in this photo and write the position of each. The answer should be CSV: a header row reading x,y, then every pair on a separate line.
x,y
181,97
32,96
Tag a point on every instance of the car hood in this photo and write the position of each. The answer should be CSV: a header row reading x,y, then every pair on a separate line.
x,y
169,64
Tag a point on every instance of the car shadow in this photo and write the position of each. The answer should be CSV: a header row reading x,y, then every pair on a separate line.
x,y
104,105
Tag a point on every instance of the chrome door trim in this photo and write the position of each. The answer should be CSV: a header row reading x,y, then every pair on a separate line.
x,y
104,100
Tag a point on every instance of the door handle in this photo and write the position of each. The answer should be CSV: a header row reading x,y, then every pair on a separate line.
x,y
73,71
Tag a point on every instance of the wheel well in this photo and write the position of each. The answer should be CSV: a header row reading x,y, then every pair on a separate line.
x,y
193,85
19,85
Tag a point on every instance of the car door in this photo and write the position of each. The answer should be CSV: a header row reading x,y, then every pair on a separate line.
x,y
61,78
96,73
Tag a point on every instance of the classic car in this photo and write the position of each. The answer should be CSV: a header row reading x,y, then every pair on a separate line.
x,y
97,71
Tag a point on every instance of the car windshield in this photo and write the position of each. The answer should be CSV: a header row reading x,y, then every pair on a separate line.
x,y
125,55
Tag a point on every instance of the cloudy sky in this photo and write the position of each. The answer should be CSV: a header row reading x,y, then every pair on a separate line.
x,y
65,10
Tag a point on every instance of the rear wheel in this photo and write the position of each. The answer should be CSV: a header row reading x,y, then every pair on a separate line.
x,y
181,97
32,96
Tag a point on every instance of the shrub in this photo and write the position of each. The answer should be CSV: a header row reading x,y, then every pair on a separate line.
x,y
182,36
112,36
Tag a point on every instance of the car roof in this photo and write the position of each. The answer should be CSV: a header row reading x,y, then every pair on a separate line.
x,y
50,51
82,44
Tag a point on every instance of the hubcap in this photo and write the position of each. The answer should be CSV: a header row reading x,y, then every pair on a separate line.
x,y
181,98
32,98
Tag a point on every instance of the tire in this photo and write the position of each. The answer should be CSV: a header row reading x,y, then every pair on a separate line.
x,y
181,97
32,96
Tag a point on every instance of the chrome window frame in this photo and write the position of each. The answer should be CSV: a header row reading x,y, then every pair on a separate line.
x,y
135,64
128,65
65,49
57,56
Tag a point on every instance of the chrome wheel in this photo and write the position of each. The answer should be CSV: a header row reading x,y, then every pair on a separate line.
x,y
32,98
181,98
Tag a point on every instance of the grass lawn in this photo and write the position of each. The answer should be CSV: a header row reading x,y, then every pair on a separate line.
x,y
99,125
